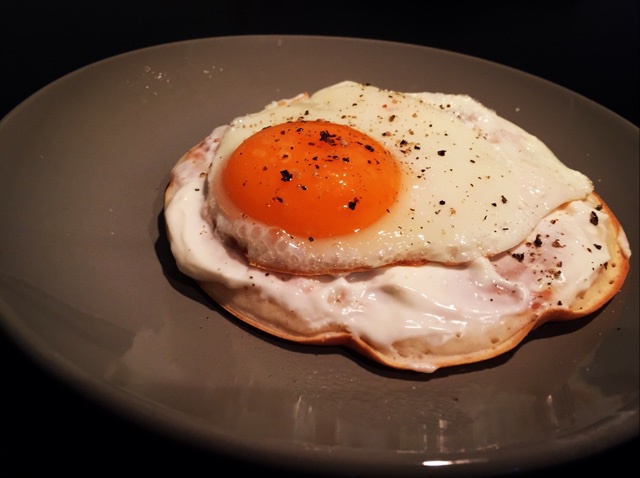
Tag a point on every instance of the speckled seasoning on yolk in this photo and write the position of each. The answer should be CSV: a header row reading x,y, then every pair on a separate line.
x,y
312,178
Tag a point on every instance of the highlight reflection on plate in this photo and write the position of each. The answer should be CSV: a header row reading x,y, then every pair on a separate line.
x,y
88,285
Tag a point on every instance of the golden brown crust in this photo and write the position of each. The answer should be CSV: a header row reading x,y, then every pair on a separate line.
x,y
195,155
611,277
248,305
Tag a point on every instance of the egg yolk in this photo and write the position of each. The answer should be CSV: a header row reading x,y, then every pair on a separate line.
x,y
313,179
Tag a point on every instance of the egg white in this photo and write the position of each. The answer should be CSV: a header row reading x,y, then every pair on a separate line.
x,y
474,184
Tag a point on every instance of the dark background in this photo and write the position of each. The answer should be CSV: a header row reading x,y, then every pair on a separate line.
x,y
590,47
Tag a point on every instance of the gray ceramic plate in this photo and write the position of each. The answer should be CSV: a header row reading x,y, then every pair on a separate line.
x,y
88,287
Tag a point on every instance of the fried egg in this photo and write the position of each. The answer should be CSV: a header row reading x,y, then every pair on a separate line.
x,y
421,229
355,177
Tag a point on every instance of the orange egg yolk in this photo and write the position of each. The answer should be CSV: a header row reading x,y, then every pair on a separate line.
x,y
313,179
